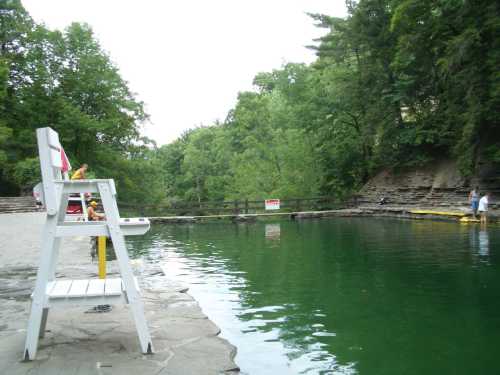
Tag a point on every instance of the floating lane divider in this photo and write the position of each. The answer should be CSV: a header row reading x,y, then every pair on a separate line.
x,y
469,220
439,213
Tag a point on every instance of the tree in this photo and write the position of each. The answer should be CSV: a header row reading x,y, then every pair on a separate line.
x,y
66,81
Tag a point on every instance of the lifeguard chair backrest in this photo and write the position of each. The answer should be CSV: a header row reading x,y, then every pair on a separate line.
x,y
49,150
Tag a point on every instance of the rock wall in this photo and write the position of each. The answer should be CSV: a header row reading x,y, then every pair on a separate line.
x,y
437,184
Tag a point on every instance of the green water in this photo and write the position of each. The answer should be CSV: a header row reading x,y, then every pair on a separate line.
x,y
346,296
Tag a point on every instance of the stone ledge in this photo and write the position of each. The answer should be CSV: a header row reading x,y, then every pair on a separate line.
x,y
80,343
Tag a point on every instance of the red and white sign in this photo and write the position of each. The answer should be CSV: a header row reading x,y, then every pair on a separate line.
x,y
272,204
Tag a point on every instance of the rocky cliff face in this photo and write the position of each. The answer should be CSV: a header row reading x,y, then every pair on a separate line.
x,y
438,184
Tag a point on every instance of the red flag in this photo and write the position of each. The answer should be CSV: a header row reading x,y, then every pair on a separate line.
x,y
66,166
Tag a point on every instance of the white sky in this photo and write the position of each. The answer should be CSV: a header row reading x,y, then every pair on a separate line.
x,y
188,59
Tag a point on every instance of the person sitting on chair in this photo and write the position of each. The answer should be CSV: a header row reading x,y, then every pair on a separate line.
x,y
80,175
80,172
92,214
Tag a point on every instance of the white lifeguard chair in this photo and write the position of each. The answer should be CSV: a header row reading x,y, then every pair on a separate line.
x,y
51,292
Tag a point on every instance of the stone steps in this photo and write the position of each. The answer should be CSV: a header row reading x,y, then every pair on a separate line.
x,y
17,204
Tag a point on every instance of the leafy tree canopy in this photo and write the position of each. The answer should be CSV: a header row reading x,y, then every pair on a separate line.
x,y
396,83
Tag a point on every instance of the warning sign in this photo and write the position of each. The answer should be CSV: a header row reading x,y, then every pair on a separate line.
x,y
272,204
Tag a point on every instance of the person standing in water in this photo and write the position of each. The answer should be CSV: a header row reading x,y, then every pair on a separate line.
x,y
483,208
474,201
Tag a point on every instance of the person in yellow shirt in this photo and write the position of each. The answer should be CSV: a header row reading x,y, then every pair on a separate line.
x,y
92,214
80,172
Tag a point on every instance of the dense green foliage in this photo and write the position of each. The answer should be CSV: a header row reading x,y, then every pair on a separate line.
x,y
397,83
66,81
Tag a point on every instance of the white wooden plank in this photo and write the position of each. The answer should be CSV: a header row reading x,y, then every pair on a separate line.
x,y
136,284
79,228
113,287
53,138
95,288
55,158
134,226
112,186
60,289
49,287
78,288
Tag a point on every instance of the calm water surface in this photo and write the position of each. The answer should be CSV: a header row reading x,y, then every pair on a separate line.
x,y
343,296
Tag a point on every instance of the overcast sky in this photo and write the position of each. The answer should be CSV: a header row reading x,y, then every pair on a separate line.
x,y
188,59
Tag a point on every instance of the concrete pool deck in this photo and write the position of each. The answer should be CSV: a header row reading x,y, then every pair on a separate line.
x,y
80,342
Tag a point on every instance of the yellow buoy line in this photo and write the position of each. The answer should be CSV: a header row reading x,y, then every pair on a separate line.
x,y
439,213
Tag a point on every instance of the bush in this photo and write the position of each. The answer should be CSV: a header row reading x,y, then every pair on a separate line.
x,y
26,174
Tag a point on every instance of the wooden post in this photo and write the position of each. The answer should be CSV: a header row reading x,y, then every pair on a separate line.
x,y
101,256
297,205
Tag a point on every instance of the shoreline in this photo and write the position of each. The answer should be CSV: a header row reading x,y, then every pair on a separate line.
x,y
401,212
185,340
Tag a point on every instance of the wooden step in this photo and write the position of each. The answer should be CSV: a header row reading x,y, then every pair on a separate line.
x,y
86,291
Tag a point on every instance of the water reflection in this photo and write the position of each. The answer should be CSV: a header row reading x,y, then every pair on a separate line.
x,y
484,243
480,243
273,231
343,296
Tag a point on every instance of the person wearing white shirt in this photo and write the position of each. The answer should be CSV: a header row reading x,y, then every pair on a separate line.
x,y
483,208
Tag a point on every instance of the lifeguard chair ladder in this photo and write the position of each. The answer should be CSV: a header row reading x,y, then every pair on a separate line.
x,y
51,292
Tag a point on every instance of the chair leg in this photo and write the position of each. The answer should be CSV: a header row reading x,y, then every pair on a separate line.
x,y
55,256
33,333
37,305
133,296
135,302
43,323
142,327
